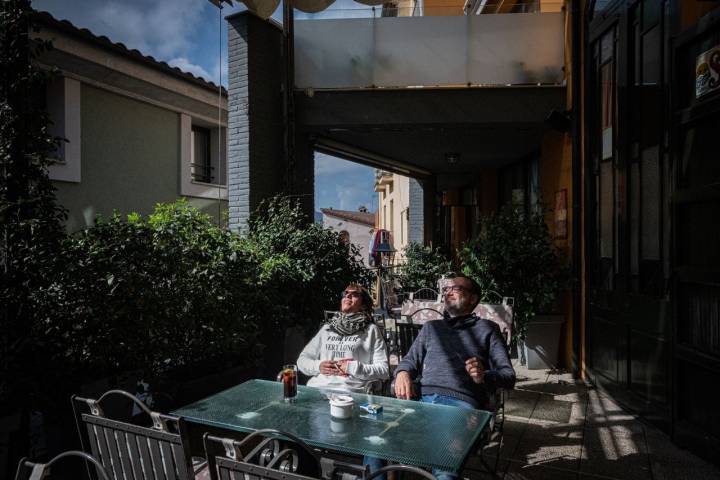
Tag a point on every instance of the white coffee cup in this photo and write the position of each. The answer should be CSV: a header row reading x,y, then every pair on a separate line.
x,y
341,406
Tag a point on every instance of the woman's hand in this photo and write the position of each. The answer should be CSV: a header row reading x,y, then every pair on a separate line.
x,y
329,367
342,365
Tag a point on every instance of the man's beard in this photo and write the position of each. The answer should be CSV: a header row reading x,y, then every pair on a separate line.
x,y
457,307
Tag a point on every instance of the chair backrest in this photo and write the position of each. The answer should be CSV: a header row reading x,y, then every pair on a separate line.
x,y
406,335
401,468
380,320
264,454
28,470
408,330
500,313
425,294
420,312
129,451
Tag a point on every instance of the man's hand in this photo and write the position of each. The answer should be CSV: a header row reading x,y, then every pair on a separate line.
x,y
329,367
475,369
403,386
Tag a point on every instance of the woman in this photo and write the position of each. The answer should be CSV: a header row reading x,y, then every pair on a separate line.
x,y
348,353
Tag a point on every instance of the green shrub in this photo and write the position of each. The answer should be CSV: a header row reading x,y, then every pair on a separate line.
x,y
423,267
151,294
301,264
31,222
514,256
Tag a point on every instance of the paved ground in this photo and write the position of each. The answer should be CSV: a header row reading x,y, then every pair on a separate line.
x,y
556,429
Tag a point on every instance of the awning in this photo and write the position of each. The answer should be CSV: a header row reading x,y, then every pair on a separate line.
x,y
265,8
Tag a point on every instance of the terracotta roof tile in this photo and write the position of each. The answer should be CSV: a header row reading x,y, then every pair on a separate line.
x,y
45,18
359,217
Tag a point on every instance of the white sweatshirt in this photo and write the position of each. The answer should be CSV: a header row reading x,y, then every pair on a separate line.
x,y
366,348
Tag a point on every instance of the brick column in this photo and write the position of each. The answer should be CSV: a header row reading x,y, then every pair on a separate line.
x,y
238,124
416,224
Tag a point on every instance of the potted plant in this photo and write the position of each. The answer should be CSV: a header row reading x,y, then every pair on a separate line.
x,y
514,256
423,266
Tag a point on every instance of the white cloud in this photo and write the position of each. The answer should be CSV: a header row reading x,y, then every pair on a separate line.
x,y
164,29
187,66
327,165
216,73
352,196
341,184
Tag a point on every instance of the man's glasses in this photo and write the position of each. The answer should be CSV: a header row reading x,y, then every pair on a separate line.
x,y
453,288
351,294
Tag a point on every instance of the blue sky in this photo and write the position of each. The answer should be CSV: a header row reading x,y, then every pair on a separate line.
x,y
191,35
343,185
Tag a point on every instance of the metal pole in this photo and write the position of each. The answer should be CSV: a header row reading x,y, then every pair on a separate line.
x,y
576,58
288,101
221,150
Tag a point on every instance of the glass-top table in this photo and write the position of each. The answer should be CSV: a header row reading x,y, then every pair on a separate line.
x,y
408,432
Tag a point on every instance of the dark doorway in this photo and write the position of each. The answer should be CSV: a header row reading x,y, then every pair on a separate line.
x,y
696,221
628,322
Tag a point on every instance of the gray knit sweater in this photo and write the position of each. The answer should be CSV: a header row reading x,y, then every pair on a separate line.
x,y
438,357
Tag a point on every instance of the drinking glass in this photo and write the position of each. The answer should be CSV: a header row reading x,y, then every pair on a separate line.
x,y
289,378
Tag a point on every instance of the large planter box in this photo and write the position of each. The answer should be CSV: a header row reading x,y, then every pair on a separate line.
x,y
542,341
12,443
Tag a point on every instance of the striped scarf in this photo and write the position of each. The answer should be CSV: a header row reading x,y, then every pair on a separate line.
x,y
348,324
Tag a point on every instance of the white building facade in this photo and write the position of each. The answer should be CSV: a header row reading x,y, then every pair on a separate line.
x,y
355,227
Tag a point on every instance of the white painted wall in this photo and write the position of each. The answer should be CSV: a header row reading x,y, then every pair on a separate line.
x,y
360,233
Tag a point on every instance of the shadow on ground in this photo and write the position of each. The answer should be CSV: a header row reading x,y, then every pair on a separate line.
x,y
557,429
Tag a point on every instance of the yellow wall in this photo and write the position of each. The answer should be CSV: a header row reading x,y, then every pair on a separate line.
x,y
555,176
551,6
399,225
443,7
432,8
690,12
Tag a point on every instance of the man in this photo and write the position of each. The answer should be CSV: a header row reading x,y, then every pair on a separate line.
x,y
460,360
348,352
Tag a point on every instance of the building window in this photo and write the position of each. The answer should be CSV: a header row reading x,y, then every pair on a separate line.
x,y
345,237
62,101
392,215
206,164
516,185
603,157
203,152
201,165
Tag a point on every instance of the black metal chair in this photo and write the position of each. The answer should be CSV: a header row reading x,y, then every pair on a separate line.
x,y
28,470
425,294
401,468
275,455
134,452
408,330
406,335
261,455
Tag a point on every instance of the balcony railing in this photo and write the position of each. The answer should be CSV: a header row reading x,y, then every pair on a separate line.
x,y
474,50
